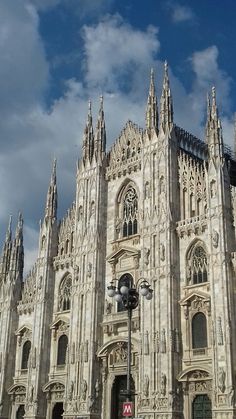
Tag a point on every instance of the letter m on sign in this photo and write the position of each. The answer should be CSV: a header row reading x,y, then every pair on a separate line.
x,y
127,409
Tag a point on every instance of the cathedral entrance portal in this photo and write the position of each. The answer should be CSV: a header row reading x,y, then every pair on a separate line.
x,y
202,407
118,396
57,411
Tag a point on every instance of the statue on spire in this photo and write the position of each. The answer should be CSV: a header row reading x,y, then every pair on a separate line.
x,y
214,137
100,141
166,102
51,204
152,107
88,141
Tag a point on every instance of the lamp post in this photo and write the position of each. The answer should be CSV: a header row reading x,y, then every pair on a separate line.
x,y
129,296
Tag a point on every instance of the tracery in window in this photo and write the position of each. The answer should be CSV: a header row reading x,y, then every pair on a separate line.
x,y
62,349
130,212
65,294
25,355
199,331
197,265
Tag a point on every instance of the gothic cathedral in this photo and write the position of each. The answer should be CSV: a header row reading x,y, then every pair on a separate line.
x,y
159,206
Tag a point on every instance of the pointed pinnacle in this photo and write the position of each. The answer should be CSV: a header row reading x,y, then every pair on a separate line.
x,y
8,233
20,220
89,107
54,170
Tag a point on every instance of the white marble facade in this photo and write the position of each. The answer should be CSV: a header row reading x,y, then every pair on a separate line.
x,y
160,205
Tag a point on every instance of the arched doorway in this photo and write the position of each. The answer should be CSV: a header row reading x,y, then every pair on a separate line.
x,y
57,411
202,407
118,397
20,412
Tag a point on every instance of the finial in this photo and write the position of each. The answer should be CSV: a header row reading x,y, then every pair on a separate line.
x,y
152,73
20,220
89,107
54,170
166,66
8,233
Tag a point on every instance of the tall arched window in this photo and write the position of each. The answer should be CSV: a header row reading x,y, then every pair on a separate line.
x,y
61,350
130,212
127,280
25,355
65,294
199,331
197,265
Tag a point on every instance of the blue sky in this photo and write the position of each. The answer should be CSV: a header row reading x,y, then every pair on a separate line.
x,y
57,54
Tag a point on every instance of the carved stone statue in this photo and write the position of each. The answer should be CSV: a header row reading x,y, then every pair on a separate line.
x,y
71,390
89,270
146,253
163,341
31,394
163,384
215,238
118,224
108,307
221,379
162,252
146,386
83,389
220,339
97,388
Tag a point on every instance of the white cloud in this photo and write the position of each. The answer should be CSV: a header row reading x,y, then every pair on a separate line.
x,y
180,13
114,52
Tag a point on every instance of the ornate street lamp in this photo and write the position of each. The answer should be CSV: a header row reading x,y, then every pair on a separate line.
x,y
128,295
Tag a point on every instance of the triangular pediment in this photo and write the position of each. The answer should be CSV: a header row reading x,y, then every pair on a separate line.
x,y
194,295
122,253
59,322
23,329
127,147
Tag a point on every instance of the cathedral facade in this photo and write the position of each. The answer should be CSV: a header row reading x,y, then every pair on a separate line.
x,y
159,206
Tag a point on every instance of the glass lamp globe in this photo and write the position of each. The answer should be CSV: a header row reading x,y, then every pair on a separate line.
x,y
124,289
144,290
118,297
111,290
149,295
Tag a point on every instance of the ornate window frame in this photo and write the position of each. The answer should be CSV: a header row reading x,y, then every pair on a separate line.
x,y
127,214
192,304
191,264
64,298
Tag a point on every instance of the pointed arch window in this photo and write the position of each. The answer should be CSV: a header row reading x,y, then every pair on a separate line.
x,y
199,331
62,349
25,355
65,294
197,265
130,213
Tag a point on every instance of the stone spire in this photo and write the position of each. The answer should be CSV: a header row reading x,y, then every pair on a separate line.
x,y
6,250
51,204
17,255
214,129
166,102
88,141
100,141
152,108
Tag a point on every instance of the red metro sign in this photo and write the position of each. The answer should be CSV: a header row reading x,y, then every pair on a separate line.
x,y
128,409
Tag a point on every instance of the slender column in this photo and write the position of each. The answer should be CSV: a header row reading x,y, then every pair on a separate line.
x,y
129,355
